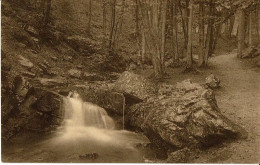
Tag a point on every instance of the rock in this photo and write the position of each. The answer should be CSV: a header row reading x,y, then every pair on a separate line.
x,y
135,85
21,45
74,73
46,69
251,52
43,66
186,115
79,66
6,66
52,82
54,58
103,96
148,66
25,62
132,66
52,72
28,74
49,102
146,160
143,145
46,110
187,86
92,77
52,35
114,75
180,156
68,58
46,63
43,110
112,62
111,101
20,87
31,30
212,81
9,105
39,110
168,62
89,156
6,75
24,37
83,45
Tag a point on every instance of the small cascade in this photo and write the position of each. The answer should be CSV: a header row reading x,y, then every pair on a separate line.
x,y
87,130
85,114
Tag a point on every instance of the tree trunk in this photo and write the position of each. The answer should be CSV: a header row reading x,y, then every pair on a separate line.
x,y
163,32
215,38
175,29
201,35
235,25
137,31
232,20
153,28
184,25
241,32
43,6
89,15
155,16
119,23
113,20
138,34
250,30
47,13
104,23
189,45
157,55
143,48
257,24
209,36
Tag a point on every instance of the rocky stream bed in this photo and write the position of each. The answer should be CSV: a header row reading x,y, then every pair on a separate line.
x,y
177,120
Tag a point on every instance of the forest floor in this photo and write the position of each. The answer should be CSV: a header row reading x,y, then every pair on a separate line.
x,y
239,100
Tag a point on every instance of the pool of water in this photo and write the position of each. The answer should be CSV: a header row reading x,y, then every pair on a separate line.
x,y
110,146
87,130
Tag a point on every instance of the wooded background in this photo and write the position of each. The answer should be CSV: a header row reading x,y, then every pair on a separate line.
x,y
153,30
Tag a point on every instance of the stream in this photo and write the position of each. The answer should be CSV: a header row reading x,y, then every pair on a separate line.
x,y
87,135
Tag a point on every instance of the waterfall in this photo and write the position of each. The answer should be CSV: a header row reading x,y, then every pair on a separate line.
x,y
85,114
87,129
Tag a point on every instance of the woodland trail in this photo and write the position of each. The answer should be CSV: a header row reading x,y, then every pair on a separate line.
x,y
239,100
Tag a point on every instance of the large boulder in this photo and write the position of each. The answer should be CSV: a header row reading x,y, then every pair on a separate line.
x,y
183,116
12,96
102,95
26,108
113,102
134,84
46,110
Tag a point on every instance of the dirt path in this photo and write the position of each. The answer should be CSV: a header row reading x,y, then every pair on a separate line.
x,y
239,100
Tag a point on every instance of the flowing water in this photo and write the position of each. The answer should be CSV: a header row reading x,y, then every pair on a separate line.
x,y
87,130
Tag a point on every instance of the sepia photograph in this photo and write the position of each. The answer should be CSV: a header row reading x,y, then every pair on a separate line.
x,y
130,81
